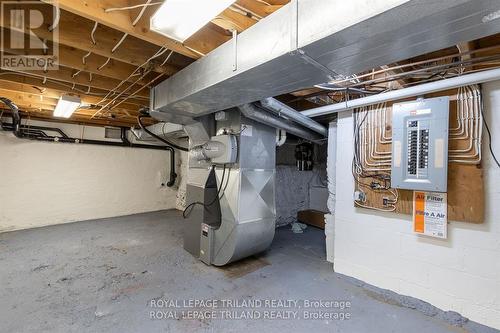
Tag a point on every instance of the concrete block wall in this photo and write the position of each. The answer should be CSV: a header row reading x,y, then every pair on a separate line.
x,y
461,273
331,170
50,183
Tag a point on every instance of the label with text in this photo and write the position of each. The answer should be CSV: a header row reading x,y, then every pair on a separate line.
x,y
430,214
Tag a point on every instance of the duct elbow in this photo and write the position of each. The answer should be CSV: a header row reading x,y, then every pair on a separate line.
x,y
248,110
284,111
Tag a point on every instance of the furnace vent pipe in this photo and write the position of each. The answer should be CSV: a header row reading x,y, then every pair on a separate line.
x,y
282,109
252,112
426,88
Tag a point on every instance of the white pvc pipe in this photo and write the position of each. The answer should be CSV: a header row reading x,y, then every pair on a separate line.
x,y
426,88
280,137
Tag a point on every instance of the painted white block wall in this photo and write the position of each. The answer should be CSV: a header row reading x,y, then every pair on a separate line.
x,y
51,183
460,274
331,170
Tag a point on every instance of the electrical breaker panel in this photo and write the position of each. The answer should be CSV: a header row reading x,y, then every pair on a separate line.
x,y
420,144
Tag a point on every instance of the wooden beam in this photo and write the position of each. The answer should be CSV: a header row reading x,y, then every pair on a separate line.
x,y
46,115
278,2
75,31
206,39
36,83
34,101
22,88
66,74
31,104
395,84
75,59
120,20
257,7
231,20
464,48
29,100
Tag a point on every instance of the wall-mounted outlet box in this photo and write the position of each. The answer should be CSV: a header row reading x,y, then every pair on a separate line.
x,y
359,196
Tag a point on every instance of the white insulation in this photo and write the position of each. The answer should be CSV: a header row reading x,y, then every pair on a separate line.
x,y
292,191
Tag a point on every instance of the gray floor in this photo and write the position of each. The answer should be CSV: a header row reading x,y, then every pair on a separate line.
x,y
100,276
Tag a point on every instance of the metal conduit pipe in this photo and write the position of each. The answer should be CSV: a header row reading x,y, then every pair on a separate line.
x,y
32,133
34,128
282,109
26,131
16,118
426,88
255,113
40,135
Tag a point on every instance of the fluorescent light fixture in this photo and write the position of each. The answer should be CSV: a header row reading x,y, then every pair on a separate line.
x,y
66,105
180,19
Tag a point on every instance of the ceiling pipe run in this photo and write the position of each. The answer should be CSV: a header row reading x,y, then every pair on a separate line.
x,y
37,133
253,112
285,111
426,88
309,42
162,129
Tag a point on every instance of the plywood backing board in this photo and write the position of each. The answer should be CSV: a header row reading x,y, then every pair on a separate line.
x,y
312,217
465,181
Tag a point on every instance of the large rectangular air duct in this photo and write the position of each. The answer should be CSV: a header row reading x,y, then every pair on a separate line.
x,y
313,41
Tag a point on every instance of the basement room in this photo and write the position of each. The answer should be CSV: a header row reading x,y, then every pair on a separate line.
x,y
250,166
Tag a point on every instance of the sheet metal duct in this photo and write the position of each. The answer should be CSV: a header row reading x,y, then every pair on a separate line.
x,y
248,207
242,222
284,110
252,112
313,41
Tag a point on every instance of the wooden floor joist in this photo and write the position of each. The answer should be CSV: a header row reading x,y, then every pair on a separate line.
x,y
97,65
35,83
46,115
232,20
27,101
91,64
75,32
68,75
54,93
121,21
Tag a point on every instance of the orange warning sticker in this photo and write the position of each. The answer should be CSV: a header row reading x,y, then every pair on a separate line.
x,y
430,210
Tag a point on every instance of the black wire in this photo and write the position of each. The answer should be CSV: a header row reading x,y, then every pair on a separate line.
x,y
382,177
489,135
220,187
187,211
145,129
227,182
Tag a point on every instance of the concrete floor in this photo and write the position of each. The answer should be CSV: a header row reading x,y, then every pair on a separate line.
x,y
101,276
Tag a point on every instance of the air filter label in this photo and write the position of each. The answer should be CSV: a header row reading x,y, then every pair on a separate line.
x,y
430,214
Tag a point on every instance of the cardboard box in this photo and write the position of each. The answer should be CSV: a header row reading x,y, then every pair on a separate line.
x,y
312,217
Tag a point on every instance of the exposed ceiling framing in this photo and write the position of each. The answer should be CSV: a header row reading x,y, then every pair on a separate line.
x,y
114,80
467,57
112,74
